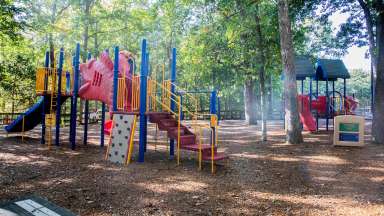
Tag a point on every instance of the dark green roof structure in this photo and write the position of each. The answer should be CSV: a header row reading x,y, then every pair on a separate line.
x,y
304,68
331,69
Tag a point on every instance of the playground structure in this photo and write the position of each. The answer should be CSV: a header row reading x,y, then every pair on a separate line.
x,y
313,106
116,85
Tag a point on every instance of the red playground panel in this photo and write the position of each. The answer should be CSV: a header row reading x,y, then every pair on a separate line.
x,y
108,127
348,106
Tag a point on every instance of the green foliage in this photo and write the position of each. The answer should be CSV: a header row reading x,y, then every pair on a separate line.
x,y
17,83
360,86
11,20
215,38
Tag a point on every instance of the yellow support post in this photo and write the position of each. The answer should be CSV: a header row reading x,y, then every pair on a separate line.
x,y
212,155
217,136
178,131
130,148
162,89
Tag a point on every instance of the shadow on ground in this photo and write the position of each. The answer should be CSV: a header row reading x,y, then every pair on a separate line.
x,y
261,178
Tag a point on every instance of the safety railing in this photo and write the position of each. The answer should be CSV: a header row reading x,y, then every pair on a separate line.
x,y
167,96
213,129
152,95
47,81
337,105
196,115
122,93
128,92
135,92
159,98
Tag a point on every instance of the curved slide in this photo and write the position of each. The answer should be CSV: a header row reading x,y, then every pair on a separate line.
x,y
306,117
32,116
96,84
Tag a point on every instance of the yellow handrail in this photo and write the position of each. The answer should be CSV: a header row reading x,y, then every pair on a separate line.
x,y
178,132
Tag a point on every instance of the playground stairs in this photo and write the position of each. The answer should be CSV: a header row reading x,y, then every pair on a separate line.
x,y
188,140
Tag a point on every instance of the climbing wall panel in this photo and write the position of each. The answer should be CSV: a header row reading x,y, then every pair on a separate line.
x,y
121,135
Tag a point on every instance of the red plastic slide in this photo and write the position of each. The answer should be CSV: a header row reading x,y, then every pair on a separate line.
x,y
306,116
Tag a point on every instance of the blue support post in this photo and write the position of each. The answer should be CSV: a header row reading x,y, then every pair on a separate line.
x,y
143,101
75,95
327,104
86,113
310,94
317,112
102,119
145,117
71,117
345,88
147,64
46,65
173,104
58,107
212,110
218,110
212,104
102,125
115,78
181,107
70,121
302,94
333,98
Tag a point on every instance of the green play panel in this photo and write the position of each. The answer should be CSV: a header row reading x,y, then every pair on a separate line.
x,y
349,127
32,206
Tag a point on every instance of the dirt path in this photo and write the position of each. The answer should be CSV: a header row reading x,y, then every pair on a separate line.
x,y
270,178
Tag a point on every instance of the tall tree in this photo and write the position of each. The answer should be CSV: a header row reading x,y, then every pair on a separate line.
x,y
378,117
293,128
261,72
250,109
364,27
87,22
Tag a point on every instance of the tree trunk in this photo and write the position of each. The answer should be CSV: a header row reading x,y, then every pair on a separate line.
x,y
293,129
371,41
50,36
269,89
85,47
261,66
96,42
51,51
87,13
378,118
249,102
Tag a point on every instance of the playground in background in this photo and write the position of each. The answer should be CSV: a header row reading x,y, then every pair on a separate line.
x,y
313,106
